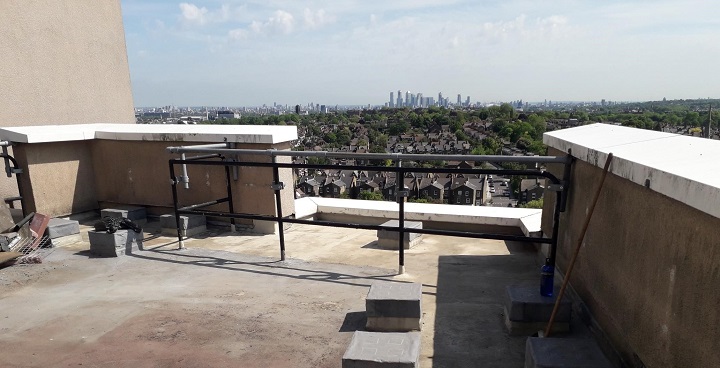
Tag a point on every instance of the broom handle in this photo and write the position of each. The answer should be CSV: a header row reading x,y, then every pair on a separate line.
x,y
566,280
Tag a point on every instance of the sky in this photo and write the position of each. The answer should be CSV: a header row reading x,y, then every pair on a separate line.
x,y
355,52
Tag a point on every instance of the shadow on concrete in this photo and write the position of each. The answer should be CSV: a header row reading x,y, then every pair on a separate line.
x,y
291,268
469,317
354,321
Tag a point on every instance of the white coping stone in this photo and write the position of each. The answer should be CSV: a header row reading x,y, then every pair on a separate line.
x,y
678,166
527,219
151,132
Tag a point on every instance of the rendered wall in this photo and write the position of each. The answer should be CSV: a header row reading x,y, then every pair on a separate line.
x,y
648,271
136,172
59,178
63,62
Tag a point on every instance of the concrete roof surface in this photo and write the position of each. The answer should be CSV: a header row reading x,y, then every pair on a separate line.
x,y
227,301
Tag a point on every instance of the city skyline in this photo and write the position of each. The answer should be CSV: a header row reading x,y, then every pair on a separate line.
x,y
254,52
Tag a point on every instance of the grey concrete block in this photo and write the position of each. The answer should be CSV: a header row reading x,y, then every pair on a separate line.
x,y
133,213
388,239
382,350
524,303
554,352
58,227
66,240
189,225
186,221
394,299
394,306
117,244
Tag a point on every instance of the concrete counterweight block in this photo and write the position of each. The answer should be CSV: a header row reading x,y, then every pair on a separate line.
x,y
394,306
552,352
190,225
388,239
135,214
382,350
527,312
117,244
62,232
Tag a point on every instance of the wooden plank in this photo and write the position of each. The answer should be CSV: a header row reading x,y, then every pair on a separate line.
x,y
9,256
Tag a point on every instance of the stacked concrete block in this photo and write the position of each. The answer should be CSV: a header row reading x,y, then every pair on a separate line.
x,y
119,243
394,306
190,225
527,312
62,232
388,239
554,352
382,350
135,214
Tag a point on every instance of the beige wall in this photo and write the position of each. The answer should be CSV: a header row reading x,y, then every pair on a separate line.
x,y
648,271
59,178
63,62
132,172
71,177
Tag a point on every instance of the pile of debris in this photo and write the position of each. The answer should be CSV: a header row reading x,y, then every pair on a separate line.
x,y
25,241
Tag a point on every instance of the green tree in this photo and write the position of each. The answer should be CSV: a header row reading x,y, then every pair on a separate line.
x,y
536,203
371,196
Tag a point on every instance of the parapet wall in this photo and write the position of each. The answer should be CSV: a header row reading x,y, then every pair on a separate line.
x,y
649,268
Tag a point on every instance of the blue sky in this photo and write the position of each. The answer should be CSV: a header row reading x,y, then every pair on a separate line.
x,y
249,53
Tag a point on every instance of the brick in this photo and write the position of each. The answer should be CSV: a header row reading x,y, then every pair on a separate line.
x,y
382,350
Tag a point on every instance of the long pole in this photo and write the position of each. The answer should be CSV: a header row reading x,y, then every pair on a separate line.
x,y
566,280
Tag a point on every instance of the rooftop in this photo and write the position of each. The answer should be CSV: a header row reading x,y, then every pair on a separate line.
x,y
227,298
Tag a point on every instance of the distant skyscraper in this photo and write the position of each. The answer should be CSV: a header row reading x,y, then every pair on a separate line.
x,y
407,98
467,101
392,99
399,99
459,101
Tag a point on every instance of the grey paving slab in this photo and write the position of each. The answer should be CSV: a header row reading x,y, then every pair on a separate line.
x,y
382,350
524,303
394,299
58,227
388,239
133,213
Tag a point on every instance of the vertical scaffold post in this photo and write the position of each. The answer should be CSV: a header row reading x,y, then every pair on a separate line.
x,y
400,191
277,187
173,184
231,207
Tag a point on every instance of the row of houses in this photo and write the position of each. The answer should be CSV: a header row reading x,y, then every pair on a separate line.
x,y
462,189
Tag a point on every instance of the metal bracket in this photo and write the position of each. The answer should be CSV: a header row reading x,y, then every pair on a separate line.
x,y
16,171
556,187
277,186
404,193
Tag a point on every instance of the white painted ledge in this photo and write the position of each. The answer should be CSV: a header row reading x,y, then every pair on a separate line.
x,y
680,167
249,134
527,219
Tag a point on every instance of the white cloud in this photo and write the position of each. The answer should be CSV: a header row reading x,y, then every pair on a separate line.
x,y
317,19
192,14
237,34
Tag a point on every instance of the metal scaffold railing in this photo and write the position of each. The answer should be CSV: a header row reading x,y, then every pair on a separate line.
x,y
224,155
